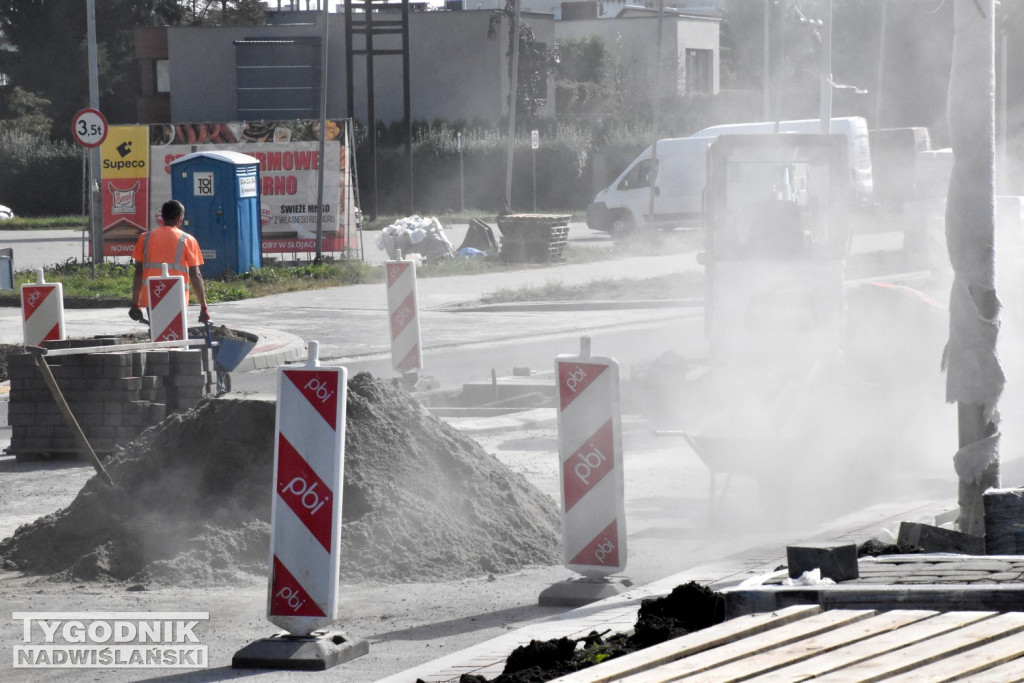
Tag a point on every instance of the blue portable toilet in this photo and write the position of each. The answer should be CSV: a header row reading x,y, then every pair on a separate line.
x,y
221,194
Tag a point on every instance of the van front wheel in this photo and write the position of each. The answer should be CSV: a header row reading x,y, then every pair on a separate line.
x,y
622,224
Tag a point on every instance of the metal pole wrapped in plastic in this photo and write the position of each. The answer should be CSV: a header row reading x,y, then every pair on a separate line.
x,y
974,377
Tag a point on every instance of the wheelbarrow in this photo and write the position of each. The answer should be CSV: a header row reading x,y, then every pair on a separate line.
x,y
227,354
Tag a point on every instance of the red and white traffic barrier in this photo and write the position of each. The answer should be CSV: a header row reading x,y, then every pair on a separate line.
x,y
590,455
305,519
167,306
403,311
42,311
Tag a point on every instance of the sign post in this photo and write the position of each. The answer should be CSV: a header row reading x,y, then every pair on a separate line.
x,y
89,128
403,312
534,144
593,496
462,174
42,308
305,523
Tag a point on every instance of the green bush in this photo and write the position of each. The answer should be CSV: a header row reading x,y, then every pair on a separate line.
x,y
579,154
39,177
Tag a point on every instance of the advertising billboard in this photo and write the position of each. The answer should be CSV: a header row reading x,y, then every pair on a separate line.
x,y
135,179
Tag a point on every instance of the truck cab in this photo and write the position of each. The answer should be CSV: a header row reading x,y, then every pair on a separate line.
x,y
775,239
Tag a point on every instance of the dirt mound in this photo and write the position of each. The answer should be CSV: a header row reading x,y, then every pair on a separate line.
x,y
421,501
689,607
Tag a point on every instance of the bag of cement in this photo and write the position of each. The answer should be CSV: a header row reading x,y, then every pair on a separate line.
x,y
423,236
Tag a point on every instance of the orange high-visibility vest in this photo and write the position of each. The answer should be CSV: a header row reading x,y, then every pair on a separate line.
x,y
170,246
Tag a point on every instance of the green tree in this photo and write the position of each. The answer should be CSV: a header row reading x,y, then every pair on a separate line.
x,y
27,113
49,49
49,55
534,64
583,69
210,12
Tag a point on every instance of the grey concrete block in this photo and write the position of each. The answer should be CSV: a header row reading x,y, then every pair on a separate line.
x,y
1004,521
837,561
933,539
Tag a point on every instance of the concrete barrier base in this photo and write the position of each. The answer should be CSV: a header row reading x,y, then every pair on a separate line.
x,y
582,591
317,652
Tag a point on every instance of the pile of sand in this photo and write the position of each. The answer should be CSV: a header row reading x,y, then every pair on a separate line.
x,y
421,502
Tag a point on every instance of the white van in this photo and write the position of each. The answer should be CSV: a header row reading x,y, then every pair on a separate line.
x,y
679,185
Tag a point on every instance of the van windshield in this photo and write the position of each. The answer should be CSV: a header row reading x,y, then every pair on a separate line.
x,y
640,175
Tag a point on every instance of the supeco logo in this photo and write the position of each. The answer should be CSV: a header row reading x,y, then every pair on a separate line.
x,y
306,494
117,165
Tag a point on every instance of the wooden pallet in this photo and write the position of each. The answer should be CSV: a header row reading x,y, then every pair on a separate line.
x,y
803,643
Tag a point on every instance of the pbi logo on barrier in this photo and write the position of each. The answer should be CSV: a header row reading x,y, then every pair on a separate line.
x,y
590,454
110,640
306,506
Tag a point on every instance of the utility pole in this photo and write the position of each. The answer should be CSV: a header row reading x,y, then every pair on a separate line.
x,y
826,70
512,104
95,220
325,18
766,88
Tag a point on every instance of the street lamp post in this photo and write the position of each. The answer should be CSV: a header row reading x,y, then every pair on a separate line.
x,y
826,69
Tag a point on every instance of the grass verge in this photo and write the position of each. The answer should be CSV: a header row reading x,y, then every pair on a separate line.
x,y
111,283
45,223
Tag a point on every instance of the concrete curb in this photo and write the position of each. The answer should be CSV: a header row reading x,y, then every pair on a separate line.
x,y
273,348
546,306
527,419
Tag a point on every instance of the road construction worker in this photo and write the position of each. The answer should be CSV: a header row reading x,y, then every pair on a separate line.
x,y
179,250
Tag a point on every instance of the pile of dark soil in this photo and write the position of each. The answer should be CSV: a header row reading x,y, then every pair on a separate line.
x,y
875,548
192,505
687,608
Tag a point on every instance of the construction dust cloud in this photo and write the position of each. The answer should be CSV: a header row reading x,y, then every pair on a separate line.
x,y
192,505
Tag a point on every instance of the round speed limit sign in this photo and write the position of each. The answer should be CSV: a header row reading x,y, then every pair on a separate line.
x,y
89,128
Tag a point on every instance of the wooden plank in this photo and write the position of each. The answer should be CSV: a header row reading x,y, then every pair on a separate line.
x,y
816,645
970,663
934,649
140,346
872,647
749,647
1011,672
690,644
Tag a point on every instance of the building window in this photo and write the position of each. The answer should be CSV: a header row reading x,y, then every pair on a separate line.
x,y
163,75
699,75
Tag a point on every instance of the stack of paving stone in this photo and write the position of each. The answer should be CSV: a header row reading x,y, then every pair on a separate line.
x,y
932,568
113,395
